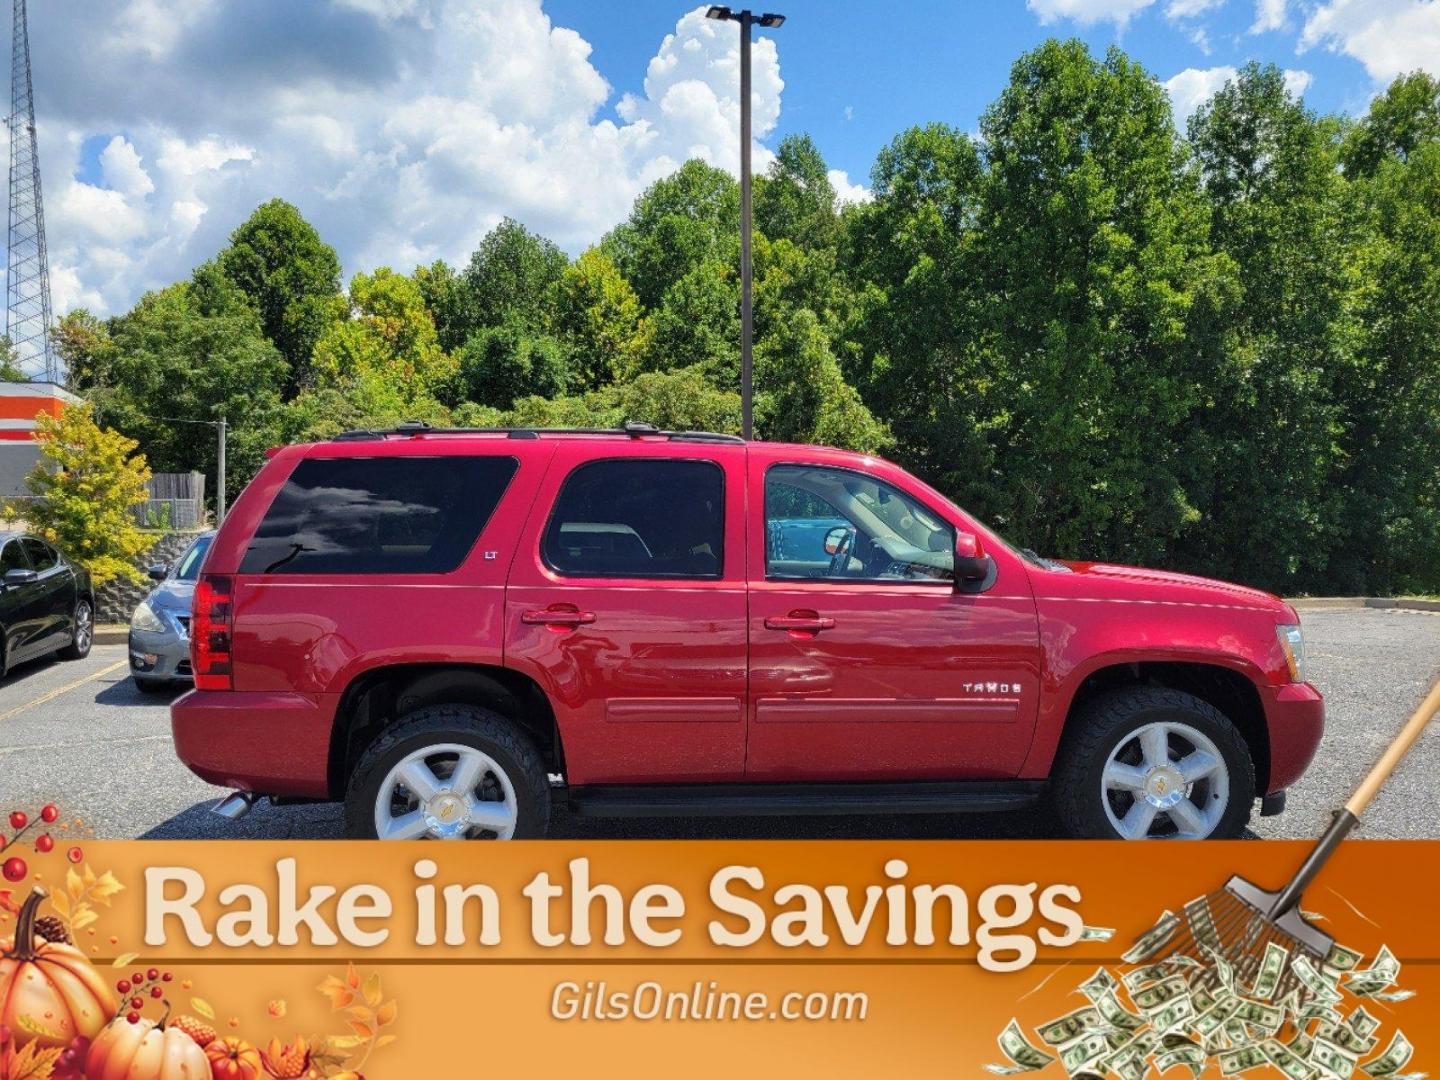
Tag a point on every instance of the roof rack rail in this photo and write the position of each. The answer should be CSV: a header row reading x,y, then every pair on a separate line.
x,y
635,429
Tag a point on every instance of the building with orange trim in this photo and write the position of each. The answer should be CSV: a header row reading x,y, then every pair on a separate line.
x,y
20,404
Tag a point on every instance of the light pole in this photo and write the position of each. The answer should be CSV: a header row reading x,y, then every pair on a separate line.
x,y
770,21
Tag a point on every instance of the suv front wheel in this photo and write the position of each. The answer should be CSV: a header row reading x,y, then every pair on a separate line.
x,y
1150,763
449,772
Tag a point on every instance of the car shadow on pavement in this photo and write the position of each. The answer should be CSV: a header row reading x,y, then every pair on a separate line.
x,y
124,692
325,821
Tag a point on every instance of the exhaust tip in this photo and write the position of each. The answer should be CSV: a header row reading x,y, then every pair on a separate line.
x,y
235,805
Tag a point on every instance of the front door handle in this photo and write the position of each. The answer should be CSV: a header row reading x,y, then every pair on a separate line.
x,y
801,622
557,617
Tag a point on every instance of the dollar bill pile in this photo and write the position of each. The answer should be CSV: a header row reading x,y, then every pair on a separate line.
x,y
1184,1011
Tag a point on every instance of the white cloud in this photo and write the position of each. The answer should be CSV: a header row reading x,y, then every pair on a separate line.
x,y
403,129
1087,12
849,112
120,165
1190,9
1297,82
1390,37
847,192
1193,87
1269,15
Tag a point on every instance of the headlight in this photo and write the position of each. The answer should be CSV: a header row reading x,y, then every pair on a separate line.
x,y
1292,643
146,619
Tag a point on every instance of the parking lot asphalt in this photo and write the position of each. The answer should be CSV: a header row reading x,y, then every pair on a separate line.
x,y
82,735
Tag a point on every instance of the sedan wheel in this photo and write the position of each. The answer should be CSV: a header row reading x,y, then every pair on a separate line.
x,y
82,633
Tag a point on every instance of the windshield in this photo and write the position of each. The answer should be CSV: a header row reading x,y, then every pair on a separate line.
x,y
188,568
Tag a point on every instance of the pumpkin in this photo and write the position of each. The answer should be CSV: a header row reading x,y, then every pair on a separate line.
x,y
145,1051
233,1059
49,993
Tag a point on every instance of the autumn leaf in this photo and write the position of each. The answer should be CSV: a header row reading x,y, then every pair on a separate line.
x,y
106,887
352,977
384,1040
59,901
372,989
365,1031
35,1027
339,994
33,1063
386,1013
124,959
344,1042
203,1007
84,915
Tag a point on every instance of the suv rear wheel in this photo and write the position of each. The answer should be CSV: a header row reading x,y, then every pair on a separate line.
x,y
1148,763
449,772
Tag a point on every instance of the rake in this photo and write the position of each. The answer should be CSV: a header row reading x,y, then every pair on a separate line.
x,y
1237,923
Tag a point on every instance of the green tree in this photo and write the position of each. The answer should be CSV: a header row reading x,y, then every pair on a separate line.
x,y
1093,256
802,397
597,316
795,200
500,364
446,298
697,324
83,344
687,219
194,352
683,400
1400,121
86,483
1276,202
386,354
291,276
510,277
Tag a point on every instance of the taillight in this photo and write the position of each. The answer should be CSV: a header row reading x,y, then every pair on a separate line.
x,y
210,623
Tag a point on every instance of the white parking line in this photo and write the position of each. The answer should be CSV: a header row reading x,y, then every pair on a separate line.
x,y
53,694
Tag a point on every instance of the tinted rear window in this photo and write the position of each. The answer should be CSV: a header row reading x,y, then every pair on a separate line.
x,y
391,515
640,518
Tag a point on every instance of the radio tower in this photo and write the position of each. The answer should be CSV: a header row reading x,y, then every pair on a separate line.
x,y
27,274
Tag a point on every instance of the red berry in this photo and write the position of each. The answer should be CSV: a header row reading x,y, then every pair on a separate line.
x,y
152,974
49,813
166,977
44,843
138,978
156,992
15,869
137,1003
123,986
133,1017
2,841
19,819
75,854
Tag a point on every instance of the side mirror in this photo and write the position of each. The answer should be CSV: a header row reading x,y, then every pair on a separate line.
x,y
158,572
19,576
971,562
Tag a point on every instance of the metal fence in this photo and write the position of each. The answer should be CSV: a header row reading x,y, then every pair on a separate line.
x,y
177,501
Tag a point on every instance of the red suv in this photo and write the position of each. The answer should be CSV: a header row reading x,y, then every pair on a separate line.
x,y
449,630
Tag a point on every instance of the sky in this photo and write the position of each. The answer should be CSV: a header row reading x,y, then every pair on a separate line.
x,y
406,129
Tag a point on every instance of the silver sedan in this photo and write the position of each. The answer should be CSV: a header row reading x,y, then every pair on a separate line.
x,y
160,627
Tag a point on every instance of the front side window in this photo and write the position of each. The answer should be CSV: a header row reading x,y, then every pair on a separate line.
x,y
833,524
42,556
382,515
639,518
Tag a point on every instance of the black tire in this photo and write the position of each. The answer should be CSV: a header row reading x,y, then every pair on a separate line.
x,y
150,686
1107,723
470,725
79,648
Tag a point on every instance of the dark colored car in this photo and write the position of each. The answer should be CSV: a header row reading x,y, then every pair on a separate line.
x,y
431,625
46,602
160,625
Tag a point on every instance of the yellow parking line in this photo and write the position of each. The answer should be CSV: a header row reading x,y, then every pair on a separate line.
x,y
53,694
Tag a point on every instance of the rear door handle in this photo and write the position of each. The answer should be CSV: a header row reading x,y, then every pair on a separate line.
x,y
804,622
566,617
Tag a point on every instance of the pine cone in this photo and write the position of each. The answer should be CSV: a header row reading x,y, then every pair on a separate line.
x,y
52,929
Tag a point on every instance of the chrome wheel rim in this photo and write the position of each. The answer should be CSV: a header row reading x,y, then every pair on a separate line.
x,y
84,626
448,791
1165,781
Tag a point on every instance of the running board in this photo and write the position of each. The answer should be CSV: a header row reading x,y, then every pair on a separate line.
x,y
760,800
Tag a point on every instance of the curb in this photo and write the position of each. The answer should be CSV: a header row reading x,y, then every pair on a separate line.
x,y
111,635
1383,603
